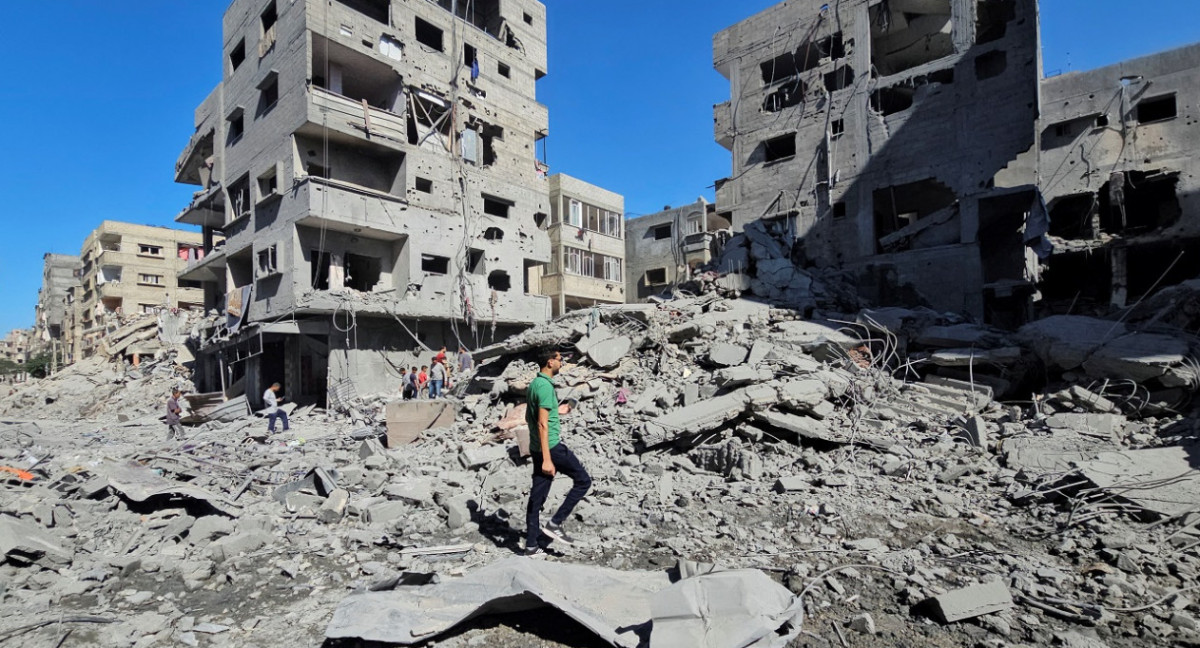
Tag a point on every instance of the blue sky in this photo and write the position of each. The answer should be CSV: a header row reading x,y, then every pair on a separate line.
x,y
99,96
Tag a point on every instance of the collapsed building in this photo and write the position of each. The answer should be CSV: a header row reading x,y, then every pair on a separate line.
x,y
1119,171
666,248
371,165
126,270
59,274
892,139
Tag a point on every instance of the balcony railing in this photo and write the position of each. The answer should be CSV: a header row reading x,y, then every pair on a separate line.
x,y
360,115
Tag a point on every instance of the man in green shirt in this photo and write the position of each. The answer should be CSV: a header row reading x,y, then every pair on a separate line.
x,y
550,456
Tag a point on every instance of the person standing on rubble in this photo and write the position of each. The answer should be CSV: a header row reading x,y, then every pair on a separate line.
x,y
273,411
422,380
437,378
550,457
174,427
410,385
465,362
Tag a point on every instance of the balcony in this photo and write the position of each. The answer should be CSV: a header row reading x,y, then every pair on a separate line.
x,y
210,268
723,125
207,209
697,242
335,110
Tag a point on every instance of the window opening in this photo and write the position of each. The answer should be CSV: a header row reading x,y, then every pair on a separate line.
x,y
362,272
429,35
661,232
150,279
901,40
779,148
376,10
1156,109
391,48
991,64
499,280
503,70
469,55
839,210
992,18
786,95
806,57
839,79
268,184
267,20
424,185
493,206
656,277
899,206
539,219
527,18
149,250
837,128
493,234
576,213
268,94
237,56
237,126
239,194
319,273
434,264
267,262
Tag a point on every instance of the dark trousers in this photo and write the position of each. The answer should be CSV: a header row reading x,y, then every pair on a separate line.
x,y
281,415
566,463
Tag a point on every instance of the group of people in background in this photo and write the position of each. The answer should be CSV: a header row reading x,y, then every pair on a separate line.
x,y
432,380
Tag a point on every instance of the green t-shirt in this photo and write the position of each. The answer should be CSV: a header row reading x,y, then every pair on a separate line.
x,y
541,396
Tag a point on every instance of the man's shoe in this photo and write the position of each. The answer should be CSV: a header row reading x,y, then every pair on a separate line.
x,y
533,552
557,532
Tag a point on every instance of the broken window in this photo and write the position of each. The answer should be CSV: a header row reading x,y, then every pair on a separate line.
x,y
839,210
779,148
370,167
376,10
661,232
493,234
837,128
899,206
239,197
267,262
145,249
268,183
268,93
908,33
391,48
470,56
1065,132
1156,109
499,280
354,75
539,219
839,79
434,264
267,34
992,18
489,134
424,185
428,114
188,283
991,64
1139,201
319,264
237,56
236,125
527,18
150,279
785,96
1151,267
362,272
900,97
806,57
656,276
503,70
1076,216
475,263
429,35
484,14
494,206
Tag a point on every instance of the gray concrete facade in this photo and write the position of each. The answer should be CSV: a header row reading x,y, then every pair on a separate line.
x,y
892,139
664,248
1121,175
371,164
587,246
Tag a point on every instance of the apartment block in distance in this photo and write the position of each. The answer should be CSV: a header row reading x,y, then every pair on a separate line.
x,y
664,249
1121,174
128,269
372,167
587,248
894,140
53,315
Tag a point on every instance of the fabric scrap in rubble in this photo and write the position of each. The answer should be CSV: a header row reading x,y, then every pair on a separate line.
x,y
725,609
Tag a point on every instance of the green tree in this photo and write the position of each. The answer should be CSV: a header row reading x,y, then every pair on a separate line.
x,y
39,365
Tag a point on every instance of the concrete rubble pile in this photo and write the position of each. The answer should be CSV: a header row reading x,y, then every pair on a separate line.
x,y
760,479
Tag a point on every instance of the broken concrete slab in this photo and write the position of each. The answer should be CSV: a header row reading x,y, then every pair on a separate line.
x,y
615,605
607,353
1162,480
1065,341
334,507
724,354
705,415
1137,356
407,420
971,602
139,484
473,457
1107,426
723,609
22,543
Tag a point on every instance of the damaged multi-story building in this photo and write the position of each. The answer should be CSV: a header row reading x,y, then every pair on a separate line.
x,y
126,269
665,248
52,319
1121,175
587,247
894,139
372,167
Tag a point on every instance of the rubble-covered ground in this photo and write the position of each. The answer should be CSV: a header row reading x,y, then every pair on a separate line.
x,y
863,462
